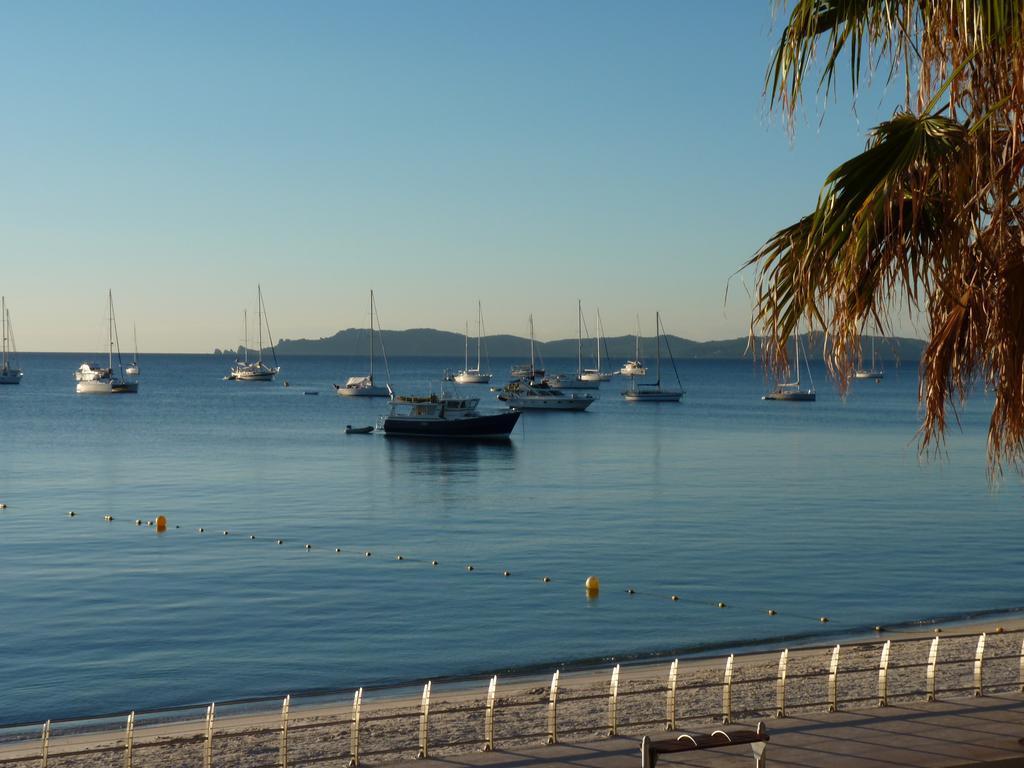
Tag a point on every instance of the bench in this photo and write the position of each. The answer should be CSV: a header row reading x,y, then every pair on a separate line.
x,y
757,739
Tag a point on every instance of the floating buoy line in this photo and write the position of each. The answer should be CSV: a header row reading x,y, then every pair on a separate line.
x,y
591,585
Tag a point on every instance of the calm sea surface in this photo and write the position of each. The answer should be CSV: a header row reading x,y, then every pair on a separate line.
x,y
810,509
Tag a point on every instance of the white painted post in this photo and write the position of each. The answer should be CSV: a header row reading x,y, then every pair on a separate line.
x,y
45,756
1022,666
424,723
780,684
286,706
613,702
933,663
833,681
553,710
670,696
883,675
492,689
211,713
979,663
357,705
727,691
129,739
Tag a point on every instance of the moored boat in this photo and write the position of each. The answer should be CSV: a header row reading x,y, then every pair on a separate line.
x,y
634,367
243,370
95,380
474,375
541,396
445,416
654,392
792,391
9,372
365,386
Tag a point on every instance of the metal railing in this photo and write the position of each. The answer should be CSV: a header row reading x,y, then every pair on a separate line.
x,y
145,735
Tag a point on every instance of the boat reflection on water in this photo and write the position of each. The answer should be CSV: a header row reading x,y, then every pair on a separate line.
x,y
441,459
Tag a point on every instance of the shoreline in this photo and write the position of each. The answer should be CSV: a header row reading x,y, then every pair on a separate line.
x,y
248,731
1010,620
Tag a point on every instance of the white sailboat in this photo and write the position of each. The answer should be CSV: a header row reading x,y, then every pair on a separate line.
x,y
474,375
792,391
364,386
528,395
875,371
243,370
568,381
528,371
132,369
9,373
596,374
94,380
655,393
634,367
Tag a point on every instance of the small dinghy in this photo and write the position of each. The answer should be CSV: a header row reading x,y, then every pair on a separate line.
x,y
311,392
350,430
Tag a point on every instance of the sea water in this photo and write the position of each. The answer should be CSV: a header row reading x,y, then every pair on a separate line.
x,y
808,509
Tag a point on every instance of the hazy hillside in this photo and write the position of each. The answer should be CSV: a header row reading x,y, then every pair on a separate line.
x,y
427,342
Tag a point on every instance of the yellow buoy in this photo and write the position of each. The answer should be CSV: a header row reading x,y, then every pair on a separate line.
x,y
161,523
675,598
3,506
823,619
547,579
593,586
771,611
721,605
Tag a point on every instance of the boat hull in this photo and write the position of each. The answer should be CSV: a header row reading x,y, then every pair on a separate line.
x,y
574,383
652,397
802,396
571,403
106,387
10,376
876,375
471,377
595,376
489,426
372,391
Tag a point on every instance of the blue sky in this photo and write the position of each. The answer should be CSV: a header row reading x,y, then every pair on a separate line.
x,y
526,154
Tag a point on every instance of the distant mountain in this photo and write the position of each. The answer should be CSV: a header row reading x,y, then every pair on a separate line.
x,y
428,342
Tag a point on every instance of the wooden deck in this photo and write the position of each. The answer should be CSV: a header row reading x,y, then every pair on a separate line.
x,y
946,734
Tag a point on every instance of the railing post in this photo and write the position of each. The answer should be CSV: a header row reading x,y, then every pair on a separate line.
x,y
492,689
780,684
833,681
129,739
727,691
357,705
211,713
424,723
883,675
1022,666
933,663
613,702
45,747
286,706
670,696
979,663
553,710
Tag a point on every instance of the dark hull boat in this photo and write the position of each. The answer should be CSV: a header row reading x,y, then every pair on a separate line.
x,y
445,417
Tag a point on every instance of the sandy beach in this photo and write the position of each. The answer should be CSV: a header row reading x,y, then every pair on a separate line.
x,y
320,728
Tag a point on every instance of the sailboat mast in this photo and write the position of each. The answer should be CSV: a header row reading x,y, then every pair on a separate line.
x,y
533,365
479,330
245,335
465,365
579,339
259,322
599,334
798,357
3,311
637,338
657,334
110,329
371,334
